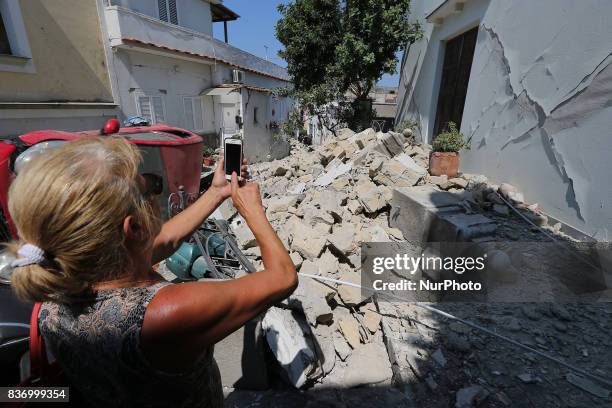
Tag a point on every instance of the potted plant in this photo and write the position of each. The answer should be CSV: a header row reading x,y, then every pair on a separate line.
x,y
444,158
208,160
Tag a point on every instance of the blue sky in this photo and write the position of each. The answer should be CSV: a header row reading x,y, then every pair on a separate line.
x,y
255,29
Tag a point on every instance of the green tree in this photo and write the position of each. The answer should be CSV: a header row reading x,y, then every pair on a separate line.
x,y
335,47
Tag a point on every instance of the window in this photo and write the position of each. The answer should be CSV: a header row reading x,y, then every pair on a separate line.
x,y
255,116
5,46
151,108
192,106
458,56
167,11
15,52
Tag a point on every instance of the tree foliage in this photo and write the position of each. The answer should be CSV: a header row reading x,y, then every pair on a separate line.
x,y
335,46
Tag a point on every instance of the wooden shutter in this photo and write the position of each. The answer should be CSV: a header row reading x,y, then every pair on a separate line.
x,y
144,106
173,15
158,109
458,57
188,106
162,6
197,113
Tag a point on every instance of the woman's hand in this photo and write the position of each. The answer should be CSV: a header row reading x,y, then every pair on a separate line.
x,y
219,182
246,198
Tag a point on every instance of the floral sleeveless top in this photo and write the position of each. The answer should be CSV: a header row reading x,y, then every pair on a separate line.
x,y
96,340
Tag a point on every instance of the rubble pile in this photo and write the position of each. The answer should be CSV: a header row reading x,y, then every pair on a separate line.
x,y
324,201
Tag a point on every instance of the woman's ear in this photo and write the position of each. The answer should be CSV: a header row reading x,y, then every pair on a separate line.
x,y
132,229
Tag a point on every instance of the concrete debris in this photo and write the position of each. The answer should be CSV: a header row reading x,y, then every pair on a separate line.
x,y
470,396
510,192
350,330
371,320
244,236
289,341
312,297
343,350
324,202
368,364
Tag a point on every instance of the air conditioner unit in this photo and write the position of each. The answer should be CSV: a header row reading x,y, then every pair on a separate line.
x,y
237,76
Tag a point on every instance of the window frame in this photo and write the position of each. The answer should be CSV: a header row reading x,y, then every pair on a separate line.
x,y
167,7
196,101
150,96
20,59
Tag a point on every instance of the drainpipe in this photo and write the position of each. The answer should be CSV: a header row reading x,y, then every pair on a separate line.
x,y
225,31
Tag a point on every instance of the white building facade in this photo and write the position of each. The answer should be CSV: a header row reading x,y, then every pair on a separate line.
x,y
166,67
530,82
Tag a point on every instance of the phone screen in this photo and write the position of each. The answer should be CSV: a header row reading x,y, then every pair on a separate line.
x,y
232,158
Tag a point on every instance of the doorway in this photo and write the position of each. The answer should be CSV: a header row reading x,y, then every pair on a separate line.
x,y
229,112
458,56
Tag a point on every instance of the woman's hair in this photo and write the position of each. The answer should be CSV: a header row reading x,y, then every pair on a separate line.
x,y
71,202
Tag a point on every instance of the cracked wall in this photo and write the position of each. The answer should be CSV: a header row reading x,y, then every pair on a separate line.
x,y
539,102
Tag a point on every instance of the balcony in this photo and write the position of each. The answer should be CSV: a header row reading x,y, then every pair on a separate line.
x,y
129,29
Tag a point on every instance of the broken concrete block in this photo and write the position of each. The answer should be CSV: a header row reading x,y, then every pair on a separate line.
x,y
312,297
288,338
458,182
350,330
469,397
377,234
328,264
307,241
243,233
296,259
509,192
368,364
372,197
350,295
343,238
309,267
342,348
326,351
501,209
389,144
424,213
332,174
354,206
396,174
279,170
371,320
344,134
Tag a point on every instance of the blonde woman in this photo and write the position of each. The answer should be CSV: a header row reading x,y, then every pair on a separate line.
x,y
89,232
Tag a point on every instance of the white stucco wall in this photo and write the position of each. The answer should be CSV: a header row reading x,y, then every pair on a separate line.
x,y
260,142
193,14
539,103
155,75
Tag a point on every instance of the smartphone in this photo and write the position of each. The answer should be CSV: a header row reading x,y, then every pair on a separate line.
x,y
233,157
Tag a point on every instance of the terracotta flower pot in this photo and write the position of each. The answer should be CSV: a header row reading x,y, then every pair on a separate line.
x,y
208,161
444,163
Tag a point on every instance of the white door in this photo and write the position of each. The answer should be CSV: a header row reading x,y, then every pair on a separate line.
x,y
229,119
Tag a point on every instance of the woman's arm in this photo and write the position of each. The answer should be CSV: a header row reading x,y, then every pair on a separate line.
x,y
183,320
183,225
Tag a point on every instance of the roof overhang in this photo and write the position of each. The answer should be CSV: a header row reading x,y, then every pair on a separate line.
x,y
222,13
444,10
217,91
225,89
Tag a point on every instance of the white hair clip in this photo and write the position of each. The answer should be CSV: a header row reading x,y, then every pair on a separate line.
x,y
30,255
